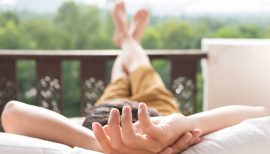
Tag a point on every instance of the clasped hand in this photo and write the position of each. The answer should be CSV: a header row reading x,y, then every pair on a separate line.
x,y
164,135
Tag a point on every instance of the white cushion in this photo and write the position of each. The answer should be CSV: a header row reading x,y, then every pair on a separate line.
x,y
17,144
236,72
249,137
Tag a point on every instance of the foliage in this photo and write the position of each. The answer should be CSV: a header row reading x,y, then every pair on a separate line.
x,y
87,27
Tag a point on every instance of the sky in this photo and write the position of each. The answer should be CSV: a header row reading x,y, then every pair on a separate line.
x,y
159,7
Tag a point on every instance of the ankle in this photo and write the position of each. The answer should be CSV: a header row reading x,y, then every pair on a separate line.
x,y
126,39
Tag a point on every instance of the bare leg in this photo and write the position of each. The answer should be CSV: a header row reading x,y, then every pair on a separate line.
x,y
140,22
132,48
133,55
118,70
28,120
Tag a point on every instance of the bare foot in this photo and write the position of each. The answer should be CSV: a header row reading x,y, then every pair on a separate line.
x,y
120,22
140,22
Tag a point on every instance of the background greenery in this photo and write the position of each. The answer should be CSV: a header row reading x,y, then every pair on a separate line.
x,y
87,27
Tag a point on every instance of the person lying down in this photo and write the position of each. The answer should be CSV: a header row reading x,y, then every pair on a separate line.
x,y
118,124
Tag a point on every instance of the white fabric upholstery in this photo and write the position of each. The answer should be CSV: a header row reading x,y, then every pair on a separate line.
x,y
236,72
249,137
17,144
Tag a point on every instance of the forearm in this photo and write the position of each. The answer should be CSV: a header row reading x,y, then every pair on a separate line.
x,y
37,122
223,117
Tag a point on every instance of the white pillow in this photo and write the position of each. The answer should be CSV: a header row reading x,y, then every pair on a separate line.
x,y
18,144
249,137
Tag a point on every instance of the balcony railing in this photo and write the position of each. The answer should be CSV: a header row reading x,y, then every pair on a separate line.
x,y
92,75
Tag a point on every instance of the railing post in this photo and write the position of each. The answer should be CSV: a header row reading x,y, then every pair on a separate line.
x,y
8,83
92,81
183,80
49,86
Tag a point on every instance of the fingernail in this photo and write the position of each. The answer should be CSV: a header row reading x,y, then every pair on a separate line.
x,y
125,110
114,111
112,114
141,105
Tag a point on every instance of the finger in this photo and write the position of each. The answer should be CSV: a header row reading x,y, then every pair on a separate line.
x,y
101,137
182,143
129,135
152,132
130,138
106,129
198,140
115,129
196,133
144,119
168,150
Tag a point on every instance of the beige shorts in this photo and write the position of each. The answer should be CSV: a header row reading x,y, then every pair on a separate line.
x,y
143,85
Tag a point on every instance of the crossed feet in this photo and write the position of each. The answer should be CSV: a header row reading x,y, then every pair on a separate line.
x,y
139,23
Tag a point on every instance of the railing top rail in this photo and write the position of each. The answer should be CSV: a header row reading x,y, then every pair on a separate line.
x,y
75,54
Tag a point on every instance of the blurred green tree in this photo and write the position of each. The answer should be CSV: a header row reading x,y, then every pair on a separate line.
x,y
40,32
12,36
176,35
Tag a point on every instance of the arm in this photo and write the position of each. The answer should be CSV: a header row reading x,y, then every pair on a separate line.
x,y
223,117
28,120
220,118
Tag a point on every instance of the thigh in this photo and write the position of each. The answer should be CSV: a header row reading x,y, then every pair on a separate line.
x,y
148,87
119,89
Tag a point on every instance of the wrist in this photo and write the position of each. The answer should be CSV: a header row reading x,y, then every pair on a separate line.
x,y
193,124
184,122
